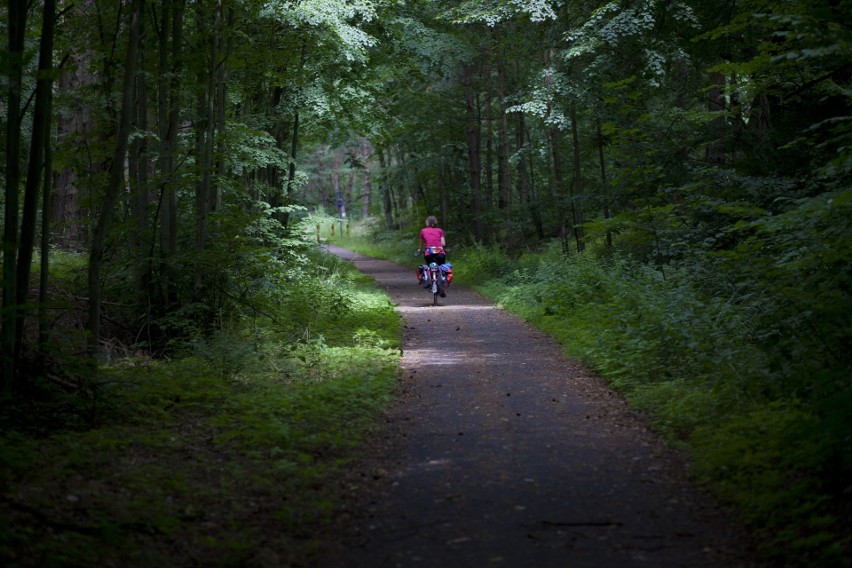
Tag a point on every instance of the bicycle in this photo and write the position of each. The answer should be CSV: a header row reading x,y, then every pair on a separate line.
x,y
435,278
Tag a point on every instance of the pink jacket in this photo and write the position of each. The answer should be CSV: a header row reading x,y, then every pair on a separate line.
x,y
431,237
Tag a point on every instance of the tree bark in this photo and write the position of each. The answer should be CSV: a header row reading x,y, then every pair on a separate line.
x,y
489,157
138,168
46,209
578,183
442,188
17,20
116,178
604,181
225,47
473,152
366,153
40,129
532,196
387,204
169,101
559,180
503,180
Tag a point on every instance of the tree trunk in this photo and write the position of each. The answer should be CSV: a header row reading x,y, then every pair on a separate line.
x,y
473,152
387,204
203,134
532,197
366,153
578,183
489,158
116,178
350,186
225,47
503,180
338,192
17,20
169,109
604,182
291,167
46,209
522,181
559,180
294,146
138,168
40,130
442,183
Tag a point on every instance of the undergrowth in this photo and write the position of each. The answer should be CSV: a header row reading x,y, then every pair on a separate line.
x,y
224,455
707,356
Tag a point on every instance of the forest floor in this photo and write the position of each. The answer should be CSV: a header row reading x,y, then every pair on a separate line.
x,y
500,451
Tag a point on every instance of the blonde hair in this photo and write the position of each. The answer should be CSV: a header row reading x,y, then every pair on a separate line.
x,y
431,221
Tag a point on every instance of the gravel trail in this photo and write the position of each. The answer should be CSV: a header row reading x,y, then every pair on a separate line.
x,y
503,452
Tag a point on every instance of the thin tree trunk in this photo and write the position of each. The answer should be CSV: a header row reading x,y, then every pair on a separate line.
x,y
138,172
503,180
40,129
473,153
522,181
366,152
164,161
116,178
202,187
294,146
532,197
291,168
386,193
604,182
442,183
225,48
46,208
489,157
170,215
338,193
559,180
578,183
17,20
350,185
169,103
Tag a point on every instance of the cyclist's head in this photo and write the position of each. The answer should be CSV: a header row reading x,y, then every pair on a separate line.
x,y
431,221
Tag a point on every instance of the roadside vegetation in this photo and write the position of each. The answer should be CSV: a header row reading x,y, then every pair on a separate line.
x,y
227,452
726,369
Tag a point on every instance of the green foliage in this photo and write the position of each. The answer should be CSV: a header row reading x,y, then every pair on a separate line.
x,y
229,446
722,365
481,264
781,464
492,12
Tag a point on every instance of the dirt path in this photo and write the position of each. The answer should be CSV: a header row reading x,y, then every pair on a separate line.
x,y
502,452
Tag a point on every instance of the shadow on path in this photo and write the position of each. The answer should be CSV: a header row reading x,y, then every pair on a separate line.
x,y
503,452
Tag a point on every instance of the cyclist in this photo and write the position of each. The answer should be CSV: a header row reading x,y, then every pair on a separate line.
x,y
433,242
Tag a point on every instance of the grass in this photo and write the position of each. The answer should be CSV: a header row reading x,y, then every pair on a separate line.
x,y
216,458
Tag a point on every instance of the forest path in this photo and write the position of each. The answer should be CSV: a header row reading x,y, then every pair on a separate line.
x,y
502,452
